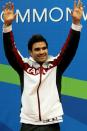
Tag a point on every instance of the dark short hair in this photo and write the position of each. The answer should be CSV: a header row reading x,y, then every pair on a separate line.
x,y
36,38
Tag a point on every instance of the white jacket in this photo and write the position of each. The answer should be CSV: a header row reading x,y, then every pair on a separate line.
x,y
41,85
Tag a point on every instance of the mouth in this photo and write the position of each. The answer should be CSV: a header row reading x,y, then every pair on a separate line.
x,y
42,56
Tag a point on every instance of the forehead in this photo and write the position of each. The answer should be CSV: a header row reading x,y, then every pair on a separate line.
x,y
39,45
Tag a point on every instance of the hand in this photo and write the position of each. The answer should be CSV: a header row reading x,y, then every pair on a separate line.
x,y
77,12
8,13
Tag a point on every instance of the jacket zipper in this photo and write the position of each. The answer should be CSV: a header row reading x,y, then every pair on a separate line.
x,y
38,93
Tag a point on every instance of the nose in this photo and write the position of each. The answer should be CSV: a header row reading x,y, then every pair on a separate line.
x,y
41,51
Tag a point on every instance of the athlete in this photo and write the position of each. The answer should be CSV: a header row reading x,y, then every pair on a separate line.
x,y
40,74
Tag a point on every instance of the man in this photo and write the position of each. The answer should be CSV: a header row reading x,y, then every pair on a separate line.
x,y
40,74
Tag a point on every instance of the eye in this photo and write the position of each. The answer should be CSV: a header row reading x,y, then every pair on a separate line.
x,y
37,49
44,48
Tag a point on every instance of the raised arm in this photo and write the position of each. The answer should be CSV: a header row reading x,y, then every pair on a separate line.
x,y
11,52
70,46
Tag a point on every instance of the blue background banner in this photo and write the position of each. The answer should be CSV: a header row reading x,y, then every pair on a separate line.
x,y
52,19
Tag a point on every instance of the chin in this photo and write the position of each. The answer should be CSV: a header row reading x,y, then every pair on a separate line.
x,y
42,61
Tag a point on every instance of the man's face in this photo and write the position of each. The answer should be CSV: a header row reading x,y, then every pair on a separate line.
x,y
39,52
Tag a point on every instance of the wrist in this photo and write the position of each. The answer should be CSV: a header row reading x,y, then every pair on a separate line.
x,y
76,22
7,24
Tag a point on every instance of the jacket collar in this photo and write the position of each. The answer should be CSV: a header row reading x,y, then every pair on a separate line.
x,y
45,64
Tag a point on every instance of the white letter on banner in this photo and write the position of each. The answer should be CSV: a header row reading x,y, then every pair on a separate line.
x,y
84,16
2,17
44,14
27,14
68,11
59,10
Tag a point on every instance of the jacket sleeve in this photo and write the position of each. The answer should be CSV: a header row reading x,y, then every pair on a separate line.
x,y
11,52
68,51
